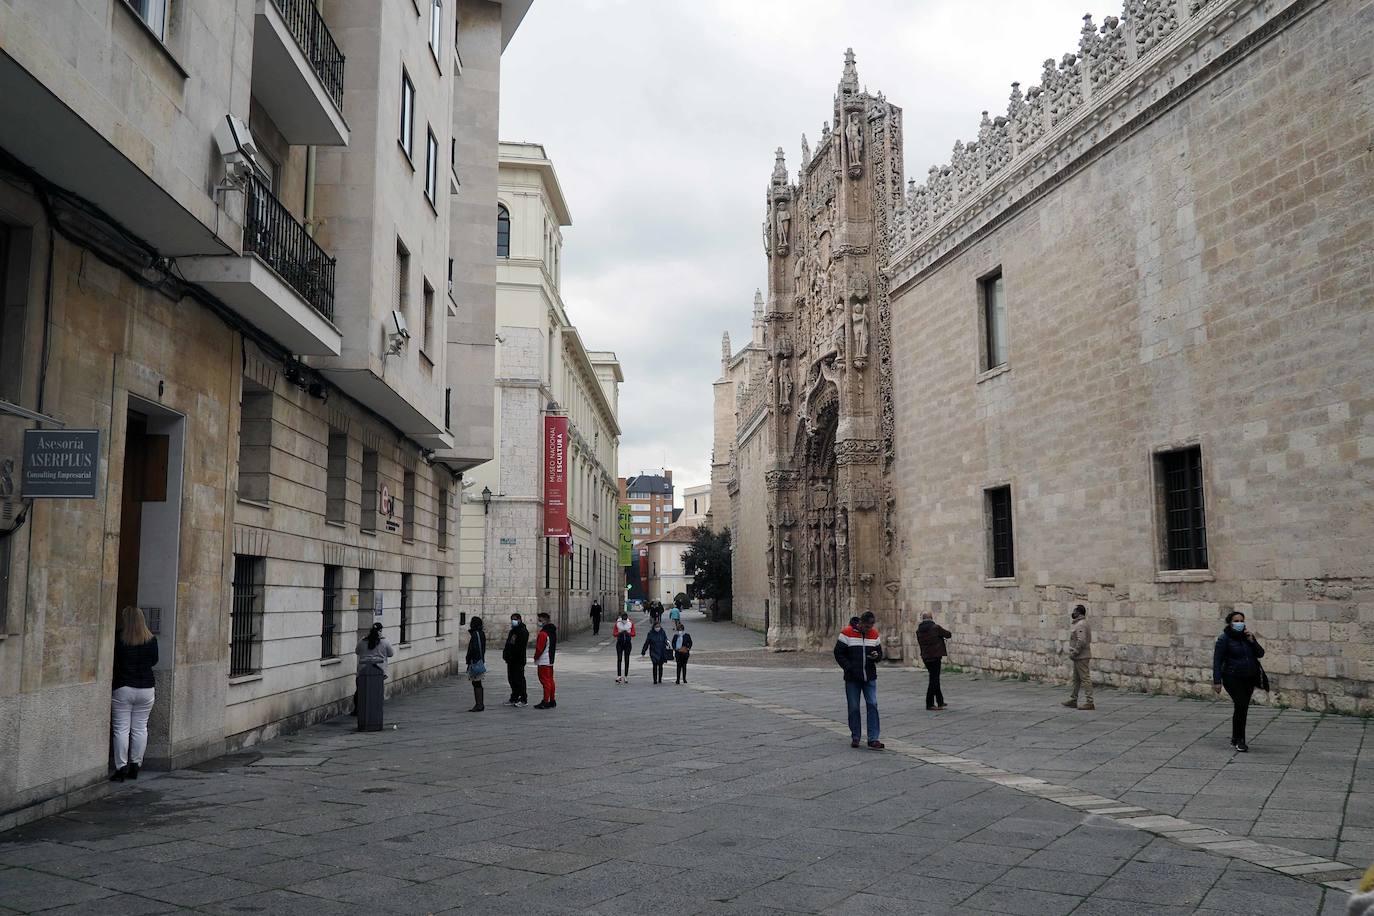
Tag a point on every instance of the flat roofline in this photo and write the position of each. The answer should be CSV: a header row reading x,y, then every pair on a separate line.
x,y
518,154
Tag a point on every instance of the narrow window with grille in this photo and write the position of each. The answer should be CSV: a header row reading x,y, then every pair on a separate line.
x,y
1002,562
1183,512
245,615
329,612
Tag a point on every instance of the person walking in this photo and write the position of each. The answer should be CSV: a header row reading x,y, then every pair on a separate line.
x,y
545,647
675,616
930,636
682,648
858,650
373,651
596,617
477,662
131,692
624,630
515,657
1081,654
656,645
1236,667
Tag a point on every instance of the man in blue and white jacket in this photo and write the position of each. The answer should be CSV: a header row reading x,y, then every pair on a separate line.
x,y
857,652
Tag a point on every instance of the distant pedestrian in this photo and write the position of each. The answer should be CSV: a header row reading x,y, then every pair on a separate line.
x,y
596,617
373,651
675,615
545,647
477,662
1081,654
1236,666
930,636
858,651
514,654
656,645
682,648
656,611
624,630
132,693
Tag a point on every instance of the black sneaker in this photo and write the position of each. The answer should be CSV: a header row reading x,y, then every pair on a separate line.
x,y
1243,748
541,705
854,742
553,704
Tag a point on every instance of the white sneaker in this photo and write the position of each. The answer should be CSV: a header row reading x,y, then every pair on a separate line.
x,y
521,705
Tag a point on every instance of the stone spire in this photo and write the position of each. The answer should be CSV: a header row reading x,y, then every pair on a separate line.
x,y
806,154
757,338
779,168
725,349
849,82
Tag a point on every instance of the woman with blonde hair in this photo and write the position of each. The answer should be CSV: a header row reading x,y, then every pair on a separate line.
x,y
131,701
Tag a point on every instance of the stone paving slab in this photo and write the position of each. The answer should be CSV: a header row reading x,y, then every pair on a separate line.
x,y
651,799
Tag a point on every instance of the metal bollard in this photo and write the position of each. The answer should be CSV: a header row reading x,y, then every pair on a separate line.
x,y
370,694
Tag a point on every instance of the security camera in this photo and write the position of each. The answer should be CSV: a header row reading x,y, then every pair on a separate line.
x,y
398,322
237,146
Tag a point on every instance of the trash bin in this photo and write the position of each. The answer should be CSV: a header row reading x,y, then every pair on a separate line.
x,y
370,699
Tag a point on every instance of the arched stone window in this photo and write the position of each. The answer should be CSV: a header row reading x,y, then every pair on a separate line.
x,y
502,231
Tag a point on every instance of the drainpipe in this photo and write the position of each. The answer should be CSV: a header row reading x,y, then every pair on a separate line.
x,y
310,191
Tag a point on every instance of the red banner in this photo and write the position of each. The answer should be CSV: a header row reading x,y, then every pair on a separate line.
x,y
556,477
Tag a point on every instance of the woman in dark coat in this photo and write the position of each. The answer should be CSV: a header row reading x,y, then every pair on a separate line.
x,y
656,645
1236,667
477,662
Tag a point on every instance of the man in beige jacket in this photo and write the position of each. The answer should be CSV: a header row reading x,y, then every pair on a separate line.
x,y
1081,653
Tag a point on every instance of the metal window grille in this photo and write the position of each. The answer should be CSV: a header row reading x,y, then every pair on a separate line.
x,y
306,25
272,233
1185,520
336,480
443,518
245,616
405,607
440,599
408,506
999,517
329,612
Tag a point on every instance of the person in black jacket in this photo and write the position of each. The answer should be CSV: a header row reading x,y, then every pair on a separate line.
x,y
930,636
1236,666
131,697
477,662
682,650
515,654
596,617
858,650
656,645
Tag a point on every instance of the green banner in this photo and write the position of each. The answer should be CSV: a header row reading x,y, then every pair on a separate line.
x,y
626,541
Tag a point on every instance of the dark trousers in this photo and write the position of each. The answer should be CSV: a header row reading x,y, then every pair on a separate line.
x,y
933,695
596,624
681,668
658,672
622,652
515,673
1240,690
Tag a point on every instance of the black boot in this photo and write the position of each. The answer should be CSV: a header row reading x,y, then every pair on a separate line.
x,y
477,706
133,771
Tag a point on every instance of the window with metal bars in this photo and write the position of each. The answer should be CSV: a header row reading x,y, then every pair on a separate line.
x,y
440,600
442,521
245,615
1184,514
408,506
329,612
1002,560
405,607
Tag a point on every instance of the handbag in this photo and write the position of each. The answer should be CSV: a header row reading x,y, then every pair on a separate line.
x,y
477,668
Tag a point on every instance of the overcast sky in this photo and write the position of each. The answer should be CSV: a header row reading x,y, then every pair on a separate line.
x,y
661,117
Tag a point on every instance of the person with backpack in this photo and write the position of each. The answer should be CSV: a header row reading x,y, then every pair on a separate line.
x,y
624,630
930,636
477,662
1236,667
514,654
545,647
858,650
656,645
682,648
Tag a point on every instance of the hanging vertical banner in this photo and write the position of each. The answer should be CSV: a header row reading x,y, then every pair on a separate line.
x,y
556,477
627,543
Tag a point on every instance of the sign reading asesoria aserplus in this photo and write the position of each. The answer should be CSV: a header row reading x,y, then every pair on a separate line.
x,y
556,477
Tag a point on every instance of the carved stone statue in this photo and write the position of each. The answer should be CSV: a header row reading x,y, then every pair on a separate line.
x,y
786,555
770,381
806,152
783,217
770,551
768,237
830,554
860,333
785,402
854,143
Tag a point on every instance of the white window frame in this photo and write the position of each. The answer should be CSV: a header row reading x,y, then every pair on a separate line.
x,y
436,27
407,137
431,165
153,13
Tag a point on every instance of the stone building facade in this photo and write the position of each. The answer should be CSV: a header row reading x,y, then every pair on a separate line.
x,y
542,366
1131,349
200,254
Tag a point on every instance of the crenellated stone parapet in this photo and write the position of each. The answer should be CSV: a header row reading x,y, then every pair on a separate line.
x,y
1126,71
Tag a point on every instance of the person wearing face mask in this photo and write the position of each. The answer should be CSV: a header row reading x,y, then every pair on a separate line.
x,y
656,645
1081,655
682,649
514,655
1236,666
624,630
477,662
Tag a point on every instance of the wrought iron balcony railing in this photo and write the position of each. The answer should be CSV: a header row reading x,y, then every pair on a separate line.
x,y
307,27
272,233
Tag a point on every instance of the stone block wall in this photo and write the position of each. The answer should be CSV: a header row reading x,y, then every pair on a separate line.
x,y
1204,280
750,526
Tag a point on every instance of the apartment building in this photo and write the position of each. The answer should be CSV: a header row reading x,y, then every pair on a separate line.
x,y
240,279
649,494
543,369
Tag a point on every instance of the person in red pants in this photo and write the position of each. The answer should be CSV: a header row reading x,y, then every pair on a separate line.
x,y
544,648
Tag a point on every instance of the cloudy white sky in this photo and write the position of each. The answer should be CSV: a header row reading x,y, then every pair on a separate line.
x,y
661,117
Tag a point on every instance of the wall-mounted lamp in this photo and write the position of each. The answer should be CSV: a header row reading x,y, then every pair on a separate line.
x,y
486,500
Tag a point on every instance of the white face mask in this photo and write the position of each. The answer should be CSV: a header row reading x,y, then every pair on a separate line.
x,y
514,623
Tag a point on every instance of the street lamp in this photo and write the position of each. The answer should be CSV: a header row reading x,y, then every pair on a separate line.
x,y
486,500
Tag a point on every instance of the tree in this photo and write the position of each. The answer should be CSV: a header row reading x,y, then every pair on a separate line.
x,y
708,561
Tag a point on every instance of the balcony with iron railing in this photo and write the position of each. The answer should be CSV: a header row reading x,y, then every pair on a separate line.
x,y
307,26
274,235
298,73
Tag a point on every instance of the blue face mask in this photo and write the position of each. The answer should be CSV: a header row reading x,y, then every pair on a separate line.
x,y
1238,626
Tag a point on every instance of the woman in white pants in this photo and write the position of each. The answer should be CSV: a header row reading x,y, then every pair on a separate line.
x,y
132,699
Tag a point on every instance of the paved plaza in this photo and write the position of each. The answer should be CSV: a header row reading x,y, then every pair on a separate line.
x,y
738,793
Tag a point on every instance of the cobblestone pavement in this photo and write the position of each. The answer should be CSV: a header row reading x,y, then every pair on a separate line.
x,y
736,794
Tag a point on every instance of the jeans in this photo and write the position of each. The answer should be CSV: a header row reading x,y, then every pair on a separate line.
x,y
933,695
622,652
681,668
546,681
129,709
869,691
515,673
1240,689
1082,679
